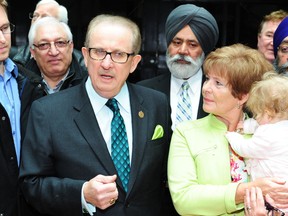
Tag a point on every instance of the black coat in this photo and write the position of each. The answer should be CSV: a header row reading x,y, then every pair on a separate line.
x,y
9,171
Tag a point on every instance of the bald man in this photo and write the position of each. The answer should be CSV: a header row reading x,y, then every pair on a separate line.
x,y
191,33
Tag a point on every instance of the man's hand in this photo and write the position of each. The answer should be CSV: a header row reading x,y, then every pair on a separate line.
x,y
101,191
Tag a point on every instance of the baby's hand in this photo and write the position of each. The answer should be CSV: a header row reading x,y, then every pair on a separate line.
x,y
239,128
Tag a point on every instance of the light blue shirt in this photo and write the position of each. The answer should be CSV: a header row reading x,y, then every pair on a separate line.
x,y
10,100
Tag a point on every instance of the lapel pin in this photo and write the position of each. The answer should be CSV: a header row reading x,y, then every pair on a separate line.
x,y
141,114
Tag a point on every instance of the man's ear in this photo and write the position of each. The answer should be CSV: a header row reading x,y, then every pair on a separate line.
x,y
136,59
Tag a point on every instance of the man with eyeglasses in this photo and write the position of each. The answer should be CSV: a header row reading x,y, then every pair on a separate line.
x,y
53,66
45,8
280,45
266,31
71,145
11,85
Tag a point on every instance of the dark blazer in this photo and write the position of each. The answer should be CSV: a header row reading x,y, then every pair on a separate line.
x,y
9,190
8,168
64,147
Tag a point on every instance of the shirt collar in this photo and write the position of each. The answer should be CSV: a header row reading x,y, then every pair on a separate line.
x,y
57,87
193,81
98,102
10,67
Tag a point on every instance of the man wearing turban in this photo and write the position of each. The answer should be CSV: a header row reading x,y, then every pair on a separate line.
x,y
191,33
280,45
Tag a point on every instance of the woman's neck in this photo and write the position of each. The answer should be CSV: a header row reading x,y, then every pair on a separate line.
x,y
231,121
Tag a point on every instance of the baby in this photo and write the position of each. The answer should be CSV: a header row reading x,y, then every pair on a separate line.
x,y
267,149
266,152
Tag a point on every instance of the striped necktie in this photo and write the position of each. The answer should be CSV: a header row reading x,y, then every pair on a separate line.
x,y
184,108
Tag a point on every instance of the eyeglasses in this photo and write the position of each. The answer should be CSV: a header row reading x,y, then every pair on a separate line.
x,y
275,211
283,49
8,28
57,44
34,16
116,56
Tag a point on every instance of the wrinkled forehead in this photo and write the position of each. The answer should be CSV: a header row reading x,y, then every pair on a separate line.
x,y
50,32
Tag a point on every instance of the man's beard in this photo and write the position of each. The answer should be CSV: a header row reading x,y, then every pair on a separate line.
x,y
183,71
281,69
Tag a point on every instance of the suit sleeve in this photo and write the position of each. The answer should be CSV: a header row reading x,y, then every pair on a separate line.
x,y
41,188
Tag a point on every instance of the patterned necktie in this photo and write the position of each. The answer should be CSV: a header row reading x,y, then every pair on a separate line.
x,y
119,146
184,109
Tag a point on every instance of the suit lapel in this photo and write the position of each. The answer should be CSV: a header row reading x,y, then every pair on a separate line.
x,y
88,125
139,127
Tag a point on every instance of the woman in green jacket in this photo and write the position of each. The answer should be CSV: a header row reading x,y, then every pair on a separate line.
x,y
205,176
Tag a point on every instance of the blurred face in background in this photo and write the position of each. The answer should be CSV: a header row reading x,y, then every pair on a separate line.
x,y
265,39
5,35
282,57
45,10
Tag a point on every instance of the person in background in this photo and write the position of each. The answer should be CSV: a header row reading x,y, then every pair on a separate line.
x,y
53,66
191,33
75,168
46,8
266,31
205,176
280,45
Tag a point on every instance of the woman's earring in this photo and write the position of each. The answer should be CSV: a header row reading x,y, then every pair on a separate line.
x,y
238,105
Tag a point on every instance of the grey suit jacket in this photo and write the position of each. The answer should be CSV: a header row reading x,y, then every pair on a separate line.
x,y
64,147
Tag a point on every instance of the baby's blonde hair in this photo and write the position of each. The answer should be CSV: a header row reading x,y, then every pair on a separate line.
x,y
269,95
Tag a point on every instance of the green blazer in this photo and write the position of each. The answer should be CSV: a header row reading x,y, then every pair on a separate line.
x,y
199,169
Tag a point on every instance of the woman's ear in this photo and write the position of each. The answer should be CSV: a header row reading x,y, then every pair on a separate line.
x,y
244,98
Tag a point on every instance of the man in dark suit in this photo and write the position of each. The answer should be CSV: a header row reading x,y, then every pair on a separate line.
x,y
67,166
191,33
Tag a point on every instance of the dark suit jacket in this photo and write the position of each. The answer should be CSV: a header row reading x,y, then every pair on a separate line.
x,y
64,147
8,168
9,190
162,83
